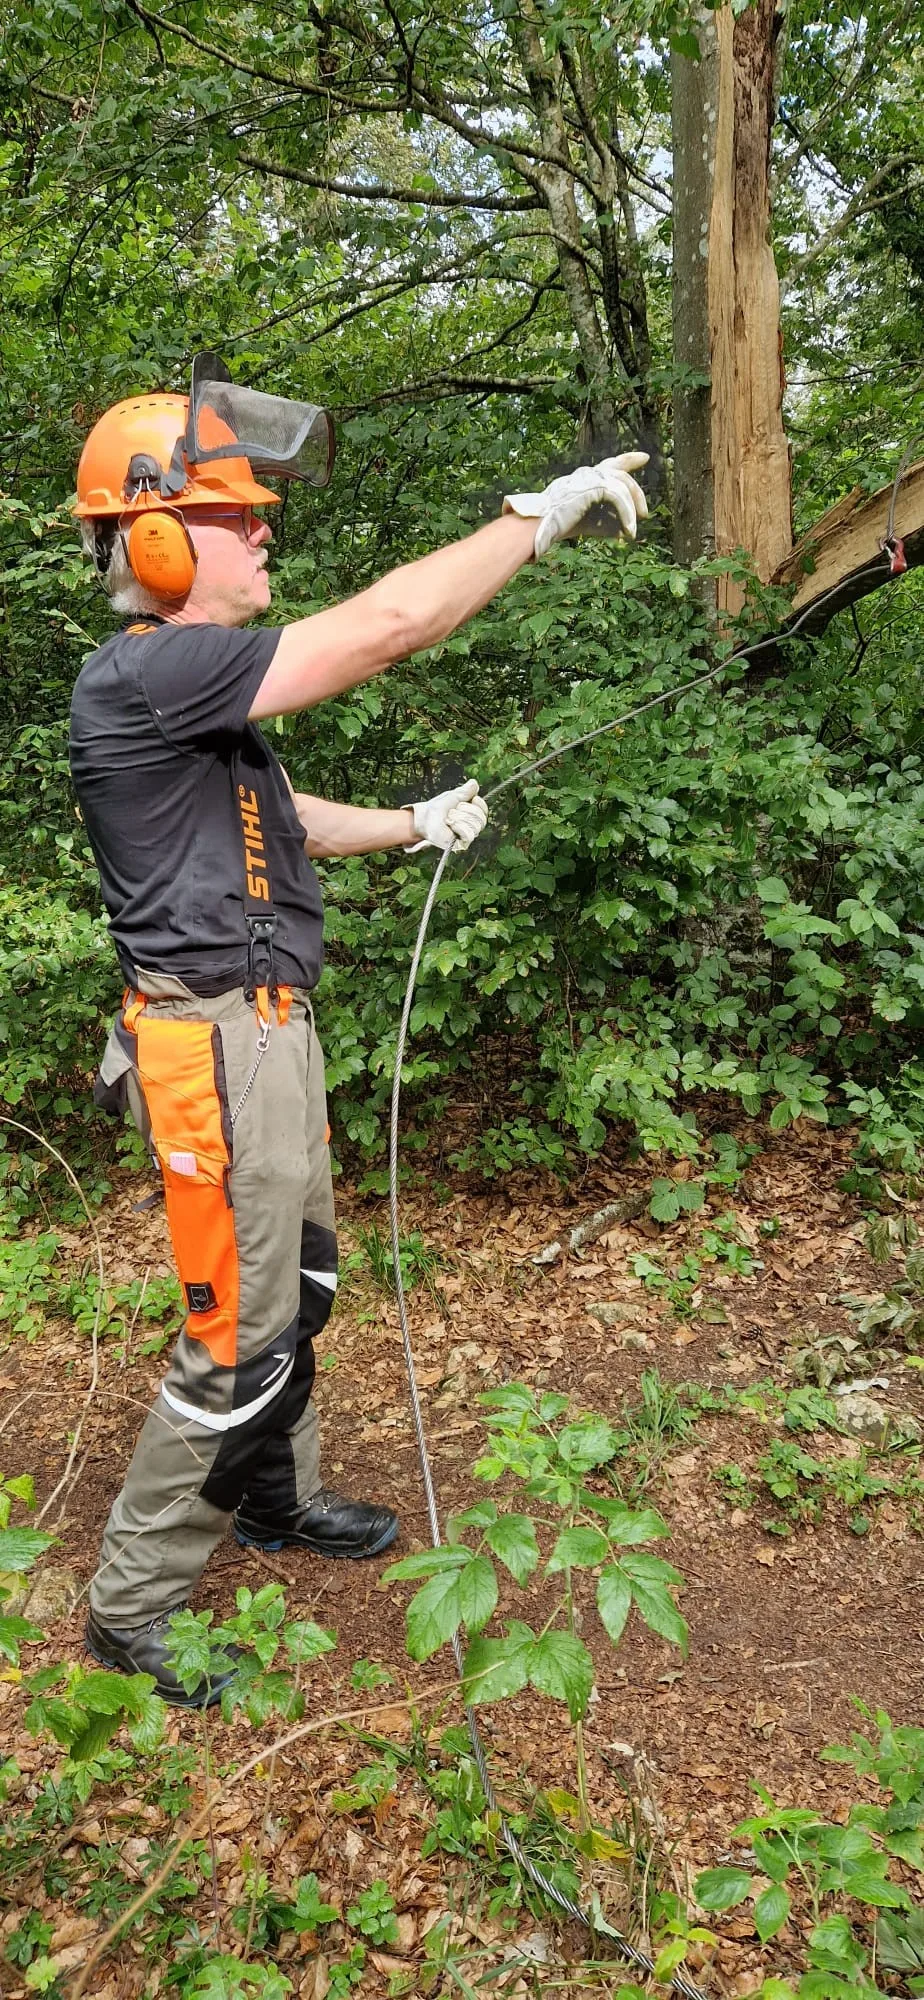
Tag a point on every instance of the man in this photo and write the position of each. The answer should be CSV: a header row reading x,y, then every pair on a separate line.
x,y
202,849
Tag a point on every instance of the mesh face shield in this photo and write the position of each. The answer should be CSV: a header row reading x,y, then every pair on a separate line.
x,y
282,438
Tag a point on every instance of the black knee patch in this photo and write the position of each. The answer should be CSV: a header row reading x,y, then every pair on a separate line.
x,y
270,1393
318,1277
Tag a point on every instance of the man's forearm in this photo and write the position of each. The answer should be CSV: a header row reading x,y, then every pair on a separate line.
x,y
443,590
405,612
332,829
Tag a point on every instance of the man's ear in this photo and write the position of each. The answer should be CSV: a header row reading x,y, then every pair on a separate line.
x,y
104,535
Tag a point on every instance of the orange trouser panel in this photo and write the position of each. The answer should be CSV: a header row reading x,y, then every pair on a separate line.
x,y
176,1066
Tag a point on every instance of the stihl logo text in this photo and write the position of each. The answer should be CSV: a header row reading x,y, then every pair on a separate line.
x,y
254,847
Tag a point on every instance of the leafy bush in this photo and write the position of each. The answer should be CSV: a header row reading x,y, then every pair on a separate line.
x,y
721,901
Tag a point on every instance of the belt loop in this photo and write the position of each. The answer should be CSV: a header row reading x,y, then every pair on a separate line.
x,y
132,1006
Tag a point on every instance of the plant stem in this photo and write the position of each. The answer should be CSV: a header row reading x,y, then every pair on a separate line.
x,y
580,1749
583,1799
207,1771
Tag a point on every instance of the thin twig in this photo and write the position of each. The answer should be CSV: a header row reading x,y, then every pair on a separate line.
x,y
228,1785
63,1482
134,1317
596,1225
270,1777
207,1770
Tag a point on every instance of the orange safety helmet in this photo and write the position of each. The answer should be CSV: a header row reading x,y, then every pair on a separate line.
x,y
129,452
157,458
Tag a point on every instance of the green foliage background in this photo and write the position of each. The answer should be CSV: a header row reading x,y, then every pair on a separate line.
x,y
723,902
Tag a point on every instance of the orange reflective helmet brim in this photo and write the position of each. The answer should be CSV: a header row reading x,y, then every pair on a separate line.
x,y
151,425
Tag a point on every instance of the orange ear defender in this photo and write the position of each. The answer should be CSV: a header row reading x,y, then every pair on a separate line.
x,y
160,552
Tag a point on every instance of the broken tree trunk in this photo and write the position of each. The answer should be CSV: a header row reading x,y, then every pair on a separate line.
x,y
840,559
732,466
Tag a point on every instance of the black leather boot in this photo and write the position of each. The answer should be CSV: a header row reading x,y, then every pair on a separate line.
x,y
144,1651
328,1525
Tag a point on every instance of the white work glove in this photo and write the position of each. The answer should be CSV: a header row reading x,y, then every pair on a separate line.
x,y
601,500
452,819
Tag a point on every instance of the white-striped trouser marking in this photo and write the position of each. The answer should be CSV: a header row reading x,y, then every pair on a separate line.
x,y
326,1278
230,1422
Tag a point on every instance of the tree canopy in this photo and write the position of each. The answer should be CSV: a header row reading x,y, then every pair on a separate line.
x,y
454,226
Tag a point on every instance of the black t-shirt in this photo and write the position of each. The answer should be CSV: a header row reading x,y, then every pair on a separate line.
x,y
159,743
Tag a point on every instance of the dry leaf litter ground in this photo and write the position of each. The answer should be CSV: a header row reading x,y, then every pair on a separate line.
x,y
782,1631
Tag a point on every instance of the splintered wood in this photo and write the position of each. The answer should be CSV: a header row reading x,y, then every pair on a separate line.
x,y
750,451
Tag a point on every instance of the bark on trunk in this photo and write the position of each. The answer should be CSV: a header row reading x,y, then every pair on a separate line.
x,y
613,343
694,111
727,315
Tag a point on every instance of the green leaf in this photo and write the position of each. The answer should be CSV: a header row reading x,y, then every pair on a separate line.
x,y
101,1725
147,1729
900,1942
721,1888
512,1538
12,1630
192,1652
20,1548
589,1442
428,1562
772,1855
664,1205
433,1615
495,1668
833,1947
771,1911
578,1548
308,1911
627,1525
614,1599
512,1396
869,1888
102,1692
307,1641
481,1515
669,1957
645,1568
905,1846
772,890
477,1592
561,1666
60,1717
660,1613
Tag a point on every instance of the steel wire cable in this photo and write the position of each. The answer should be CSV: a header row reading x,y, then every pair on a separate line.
x,y
594,1923
523,1860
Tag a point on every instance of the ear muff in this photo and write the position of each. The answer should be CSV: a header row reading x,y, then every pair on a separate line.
x,y
160,552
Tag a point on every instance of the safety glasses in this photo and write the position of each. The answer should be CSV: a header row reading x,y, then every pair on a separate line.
x,y
246,519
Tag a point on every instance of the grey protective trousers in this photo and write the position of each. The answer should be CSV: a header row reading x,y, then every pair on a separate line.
x,y
233,1416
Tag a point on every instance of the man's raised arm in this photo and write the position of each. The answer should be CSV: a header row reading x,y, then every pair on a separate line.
x,y
419,604
405,612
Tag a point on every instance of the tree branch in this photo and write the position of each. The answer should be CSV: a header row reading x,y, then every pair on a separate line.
x,y
325,91
842,551
453,271
843,88
441,387
860,203
426,98
377,191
